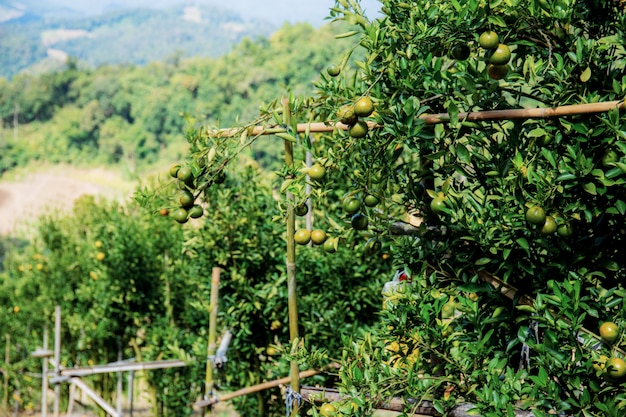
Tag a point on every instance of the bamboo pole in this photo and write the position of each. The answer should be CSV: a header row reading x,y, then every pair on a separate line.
x,y
215,287
95,397
534,113
478,116
131,383
57,358
121,367
291,267
255,388
120,382
44,375
7,360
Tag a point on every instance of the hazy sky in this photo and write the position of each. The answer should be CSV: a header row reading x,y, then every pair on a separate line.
x,y
277,11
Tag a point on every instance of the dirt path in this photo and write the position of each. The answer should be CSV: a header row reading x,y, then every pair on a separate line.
x,y
24,199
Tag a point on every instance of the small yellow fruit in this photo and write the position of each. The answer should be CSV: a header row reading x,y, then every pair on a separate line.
x,y
609,331
318,236
489,39
317,172
364,107
302,236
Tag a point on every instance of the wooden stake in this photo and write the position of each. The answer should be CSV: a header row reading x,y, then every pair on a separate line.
x,y
254,388
215,287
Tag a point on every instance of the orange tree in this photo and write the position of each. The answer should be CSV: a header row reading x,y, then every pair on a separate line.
x,y
241,232
107,266
537,202
136,281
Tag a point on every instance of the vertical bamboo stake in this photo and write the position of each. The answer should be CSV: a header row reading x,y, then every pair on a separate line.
x,y
307,190
131,383
44,375
120,383
7,358
57,357
291,264
215,287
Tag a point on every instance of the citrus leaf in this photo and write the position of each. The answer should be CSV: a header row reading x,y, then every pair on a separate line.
x,y
590,188
462,153
586,75
523,243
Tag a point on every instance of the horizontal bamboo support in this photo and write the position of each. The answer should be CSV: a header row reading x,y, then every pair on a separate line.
x,y
254,388
398,404
121,367
478,116
534,113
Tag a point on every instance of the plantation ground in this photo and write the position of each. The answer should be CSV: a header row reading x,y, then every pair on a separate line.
x,y
25,196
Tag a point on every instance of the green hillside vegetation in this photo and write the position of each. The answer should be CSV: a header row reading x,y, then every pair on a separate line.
x,y
132,36
131,116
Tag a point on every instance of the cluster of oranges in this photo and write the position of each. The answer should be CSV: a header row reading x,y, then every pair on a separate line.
x,y
352,114
497,54
187,207
614,368
546,224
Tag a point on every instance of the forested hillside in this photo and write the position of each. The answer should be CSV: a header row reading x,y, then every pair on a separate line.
x,y
130,36
134,115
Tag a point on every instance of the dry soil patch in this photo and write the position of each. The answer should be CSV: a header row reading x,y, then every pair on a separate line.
x,y
24,199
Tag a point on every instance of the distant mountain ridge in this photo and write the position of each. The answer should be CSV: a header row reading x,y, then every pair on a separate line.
x,y
36,39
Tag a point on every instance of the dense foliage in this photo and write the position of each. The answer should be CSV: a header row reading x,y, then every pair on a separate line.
x,y
533,203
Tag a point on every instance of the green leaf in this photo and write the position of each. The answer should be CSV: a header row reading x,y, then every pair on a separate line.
x,y
482,261
463,154
586,75
473,412
590,188
523,243
549,157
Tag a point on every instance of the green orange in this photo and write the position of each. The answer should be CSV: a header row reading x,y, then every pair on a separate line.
x,y
363,106
302,236
358,130
536,215
549,226
437,205
317,172
488,39
501,55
